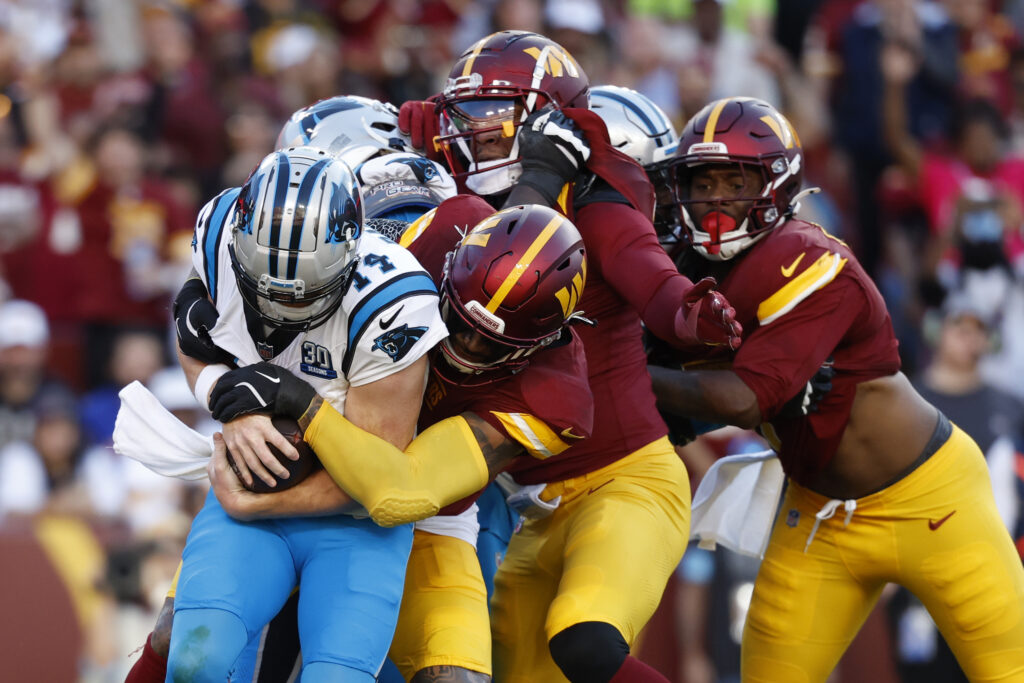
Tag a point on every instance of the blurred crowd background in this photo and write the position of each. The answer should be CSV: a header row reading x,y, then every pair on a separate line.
x,y
120,118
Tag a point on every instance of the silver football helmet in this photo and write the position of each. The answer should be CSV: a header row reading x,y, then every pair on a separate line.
x,y
640,129
351,127
637,126
295,236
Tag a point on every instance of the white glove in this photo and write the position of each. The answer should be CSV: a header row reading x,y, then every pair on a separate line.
x,y
526,500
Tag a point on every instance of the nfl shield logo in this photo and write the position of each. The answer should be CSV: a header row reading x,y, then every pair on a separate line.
x,y
265,350
793,518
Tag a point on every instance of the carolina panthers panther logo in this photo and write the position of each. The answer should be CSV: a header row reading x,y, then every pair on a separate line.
x,y
318,113
246,206
422,168
397,342
340,226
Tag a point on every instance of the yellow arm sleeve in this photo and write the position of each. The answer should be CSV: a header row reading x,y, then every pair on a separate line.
x,y
442,465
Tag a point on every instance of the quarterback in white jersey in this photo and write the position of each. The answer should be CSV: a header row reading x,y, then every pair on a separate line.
x,y
299,285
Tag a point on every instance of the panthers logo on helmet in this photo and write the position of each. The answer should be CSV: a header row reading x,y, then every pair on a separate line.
x,y
246,207
319,112
423,169
399,341
340,227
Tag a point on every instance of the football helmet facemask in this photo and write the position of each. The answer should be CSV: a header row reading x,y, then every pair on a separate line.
x,y
295,235
507,290
492,88
748,133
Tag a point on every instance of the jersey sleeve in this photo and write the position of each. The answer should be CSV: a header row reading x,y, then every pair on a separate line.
x,y
394,319
807,305
624,245
549,407
209,241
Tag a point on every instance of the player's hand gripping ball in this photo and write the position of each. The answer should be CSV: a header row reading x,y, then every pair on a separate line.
x,y
297,469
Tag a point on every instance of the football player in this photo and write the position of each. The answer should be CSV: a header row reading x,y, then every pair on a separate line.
x,y
575,588
354,129
915,505
299,285
508,388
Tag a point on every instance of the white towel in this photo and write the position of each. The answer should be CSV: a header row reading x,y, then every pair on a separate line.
x,y
147,432
463,526
736,501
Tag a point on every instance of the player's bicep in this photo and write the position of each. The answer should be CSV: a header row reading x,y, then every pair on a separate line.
x,y
389,407
385,337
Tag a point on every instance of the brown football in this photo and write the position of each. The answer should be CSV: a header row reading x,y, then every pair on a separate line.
x,y
297,469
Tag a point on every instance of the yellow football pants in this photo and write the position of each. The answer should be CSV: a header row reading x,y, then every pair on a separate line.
x,y
936,532
443,619
605,554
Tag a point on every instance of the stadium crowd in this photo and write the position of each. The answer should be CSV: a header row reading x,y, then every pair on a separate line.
x,y
119,121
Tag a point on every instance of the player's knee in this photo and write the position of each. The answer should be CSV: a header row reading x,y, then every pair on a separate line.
x,y
591,651
204,646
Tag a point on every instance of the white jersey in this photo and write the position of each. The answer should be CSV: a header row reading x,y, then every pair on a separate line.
x,y
388,318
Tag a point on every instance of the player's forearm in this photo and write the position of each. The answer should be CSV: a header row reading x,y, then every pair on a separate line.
x,y
190,366
661,311
441,466
315,496
713,395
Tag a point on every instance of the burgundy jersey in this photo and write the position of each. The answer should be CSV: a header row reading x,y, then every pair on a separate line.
x,y
629,279
801,297
547,407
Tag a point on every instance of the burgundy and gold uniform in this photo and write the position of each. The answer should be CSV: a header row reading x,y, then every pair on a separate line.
x,y
578,586
802,297
606,553
611,562
546,408
911,502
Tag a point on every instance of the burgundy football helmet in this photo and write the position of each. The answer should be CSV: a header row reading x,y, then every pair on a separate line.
x,y
515,280
750,133
492,88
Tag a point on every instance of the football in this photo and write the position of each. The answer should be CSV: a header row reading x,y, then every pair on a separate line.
x,y
297,469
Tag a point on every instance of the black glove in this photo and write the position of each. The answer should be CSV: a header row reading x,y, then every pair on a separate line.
x,y
194,317
807,400
553,151
261,387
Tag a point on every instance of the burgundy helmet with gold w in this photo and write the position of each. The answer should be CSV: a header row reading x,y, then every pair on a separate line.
x,y
753,134
493,86
515,280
